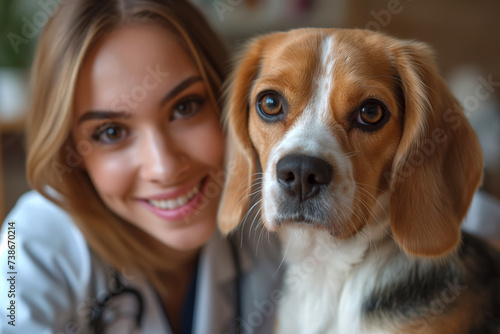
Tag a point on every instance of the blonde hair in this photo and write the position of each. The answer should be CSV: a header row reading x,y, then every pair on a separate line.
x,y
53,164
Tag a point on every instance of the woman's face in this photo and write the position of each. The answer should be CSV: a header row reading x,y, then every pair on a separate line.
x,y
149,136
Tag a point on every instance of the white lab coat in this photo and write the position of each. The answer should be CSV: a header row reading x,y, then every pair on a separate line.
x,y
483,217
58,277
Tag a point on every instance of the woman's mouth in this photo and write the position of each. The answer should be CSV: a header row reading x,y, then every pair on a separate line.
x,y
176,208
175,203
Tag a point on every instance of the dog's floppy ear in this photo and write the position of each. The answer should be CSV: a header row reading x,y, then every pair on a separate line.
x,y
240,155
438,164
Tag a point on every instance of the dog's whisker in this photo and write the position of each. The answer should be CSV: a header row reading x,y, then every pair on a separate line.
x,y
253,221
263,227
249,212
376,218
257,176
366,192
268,232
370,186
282,259
251,195
349,155
257,191
348,217
241,226
258,241
258,187
354,213
373,213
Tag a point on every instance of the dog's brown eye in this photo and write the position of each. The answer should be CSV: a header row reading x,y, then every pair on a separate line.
x,y
369,116
370,113
270,104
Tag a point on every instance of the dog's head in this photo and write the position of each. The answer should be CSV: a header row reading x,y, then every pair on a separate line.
x,y
338,118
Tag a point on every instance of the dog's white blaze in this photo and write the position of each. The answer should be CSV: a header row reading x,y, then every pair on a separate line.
x,y
325,84
311,135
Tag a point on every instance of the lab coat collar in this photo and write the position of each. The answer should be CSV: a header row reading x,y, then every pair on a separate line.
x,y
216,292
215,305
216,295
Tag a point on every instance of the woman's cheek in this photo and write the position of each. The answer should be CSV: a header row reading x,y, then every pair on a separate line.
x,y
209,143
111,174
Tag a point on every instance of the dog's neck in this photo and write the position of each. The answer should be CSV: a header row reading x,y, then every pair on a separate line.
x,y
317,250
319,268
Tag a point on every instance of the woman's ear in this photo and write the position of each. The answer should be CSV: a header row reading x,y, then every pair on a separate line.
x,y
438,164
240,155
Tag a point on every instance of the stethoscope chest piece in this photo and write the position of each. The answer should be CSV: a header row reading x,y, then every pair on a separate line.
x,y
119,311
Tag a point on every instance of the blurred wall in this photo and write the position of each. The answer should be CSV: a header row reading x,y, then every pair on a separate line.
x,y
461,31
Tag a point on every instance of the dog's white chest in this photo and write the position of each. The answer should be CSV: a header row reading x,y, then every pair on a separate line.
x,y
324,289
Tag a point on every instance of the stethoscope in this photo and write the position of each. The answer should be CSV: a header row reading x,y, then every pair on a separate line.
x,y
121,307
110,311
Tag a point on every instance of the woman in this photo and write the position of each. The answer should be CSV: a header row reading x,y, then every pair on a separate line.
x,y
124,136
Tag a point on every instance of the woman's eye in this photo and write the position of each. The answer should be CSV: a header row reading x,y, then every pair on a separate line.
x,y
109,134
270,106
370,113
187,108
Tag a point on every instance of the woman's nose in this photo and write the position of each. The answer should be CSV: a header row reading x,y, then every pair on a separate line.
x,y
161,159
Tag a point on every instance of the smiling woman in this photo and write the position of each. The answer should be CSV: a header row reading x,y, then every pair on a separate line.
x,y
124,136
150,162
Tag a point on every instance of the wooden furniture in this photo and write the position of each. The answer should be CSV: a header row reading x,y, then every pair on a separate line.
x,y
16,126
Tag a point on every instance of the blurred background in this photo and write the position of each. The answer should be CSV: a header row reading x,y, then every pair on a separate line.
x,y
464,33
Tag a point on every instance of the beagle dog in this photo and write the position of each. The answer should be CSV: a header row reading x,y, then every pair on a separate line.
x,y
365,165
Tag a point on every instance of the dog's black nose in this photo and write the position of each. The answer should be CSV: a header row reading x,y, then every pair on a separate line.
x,y
302,175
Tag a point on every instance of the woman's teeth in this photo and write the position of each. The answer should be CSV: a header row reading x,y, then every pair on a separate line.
x,y
174,203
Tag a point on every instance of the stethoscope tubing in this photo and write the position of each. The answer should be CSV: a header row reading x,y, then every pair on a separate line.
x,y
98,309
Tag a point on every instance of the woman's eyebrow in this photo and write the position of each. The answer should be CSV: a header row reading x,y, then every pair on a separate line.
x,y
98,114
179,88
